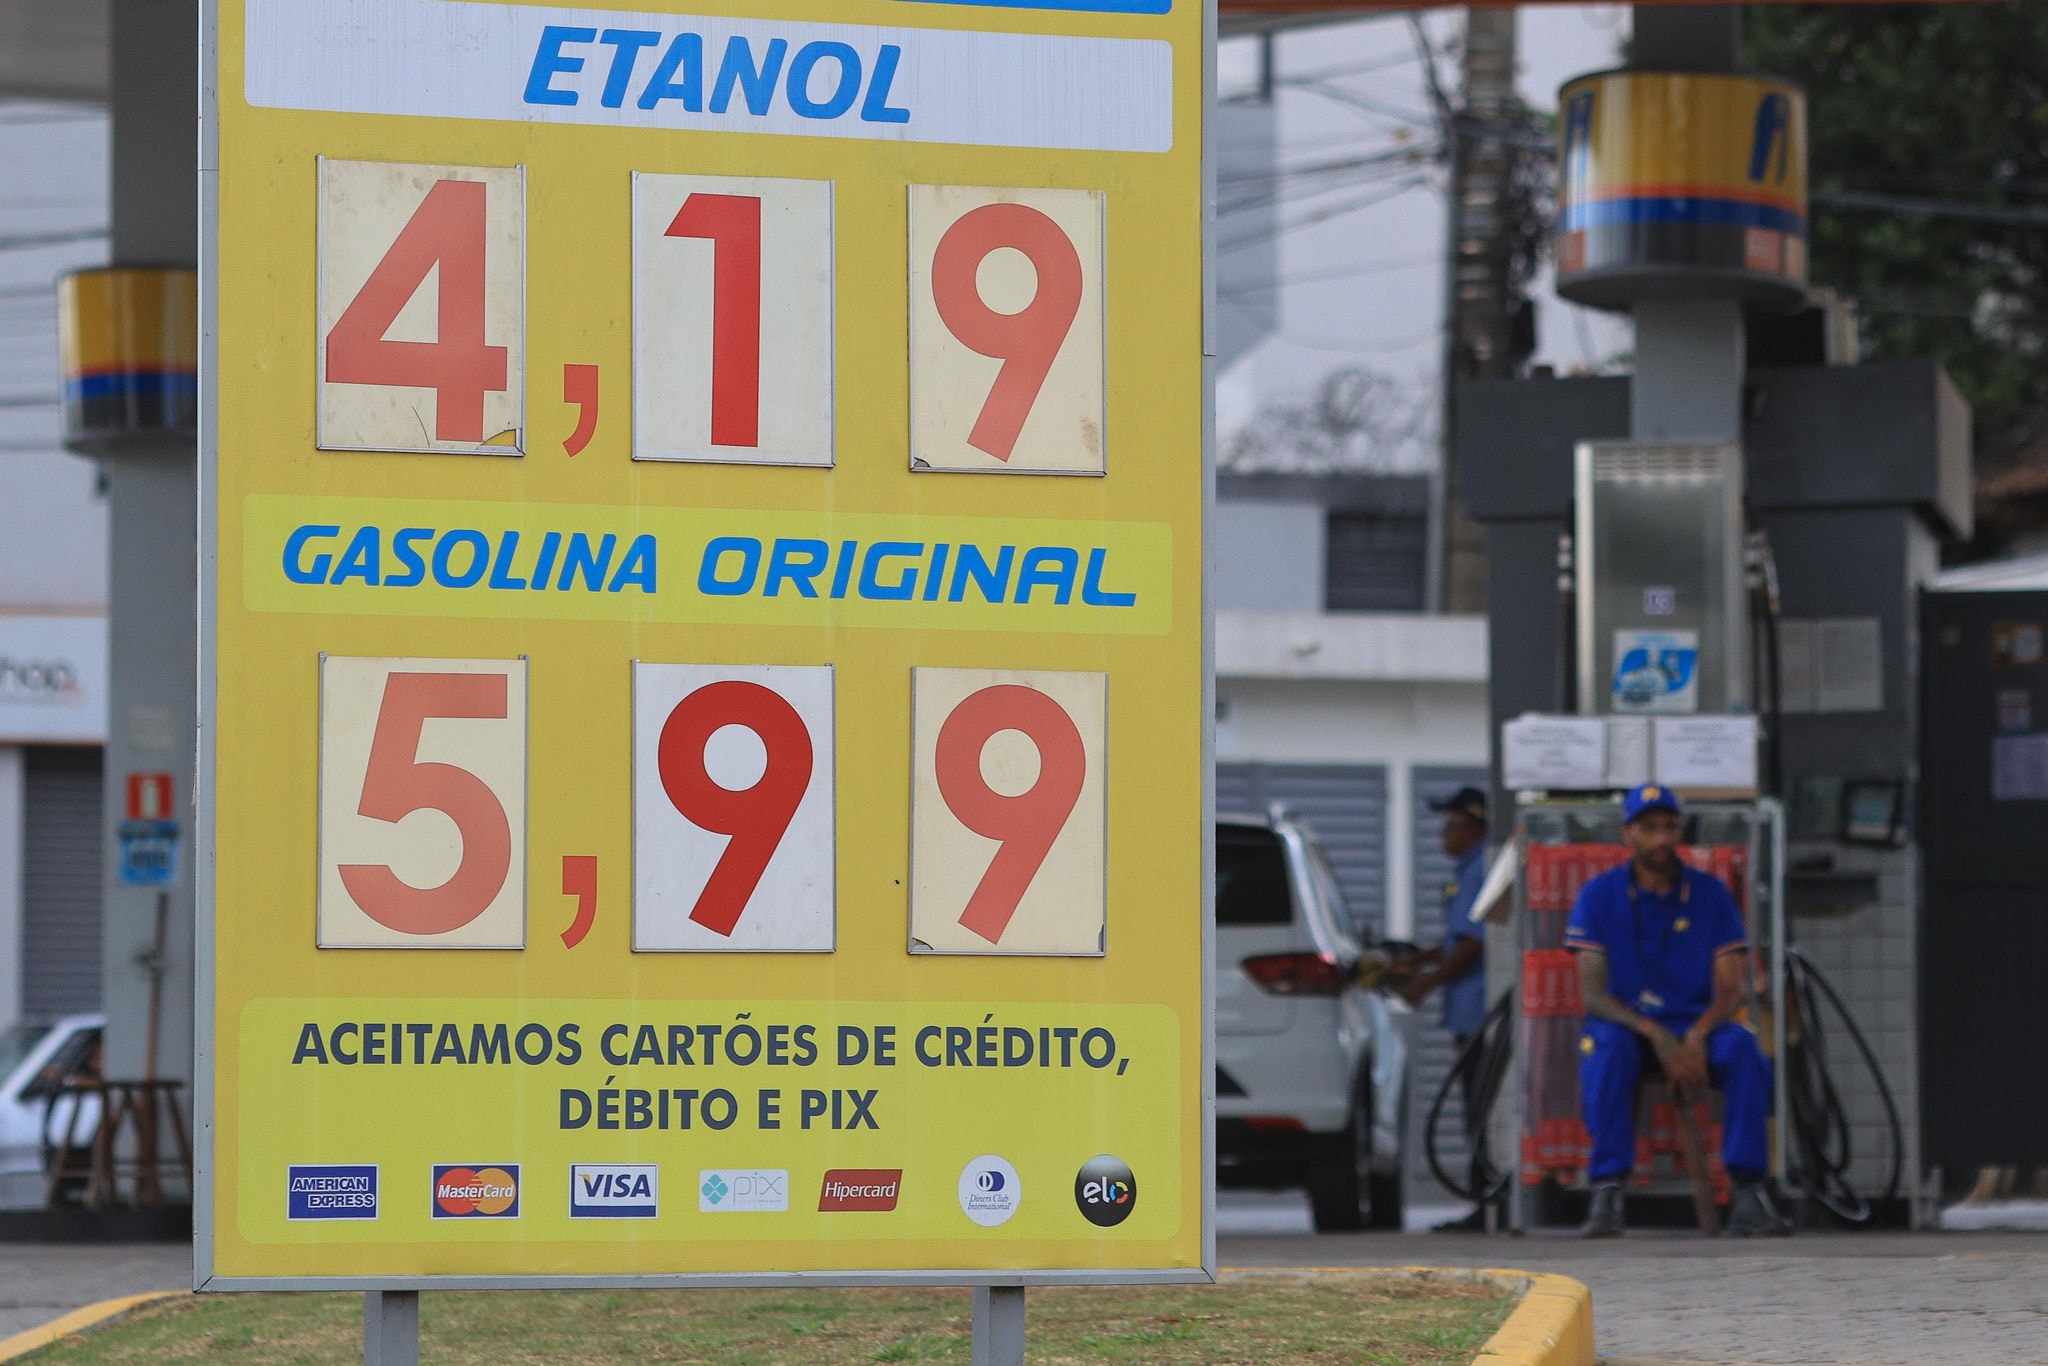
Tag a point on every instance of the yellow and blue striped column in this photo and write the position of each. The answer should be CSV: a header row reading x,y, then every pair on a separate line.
x,y
128,346
1681,186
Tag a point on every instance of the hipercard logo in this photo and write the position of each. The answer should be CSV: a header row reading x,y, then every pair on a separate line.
x,y
989,1190
1106,1191
860,1188
476,1191
331,1192
744,1190
614,1190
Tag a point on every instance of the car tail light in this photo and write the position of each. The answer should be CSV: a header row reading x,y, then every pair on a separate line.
x,y
1275,1123
1295,974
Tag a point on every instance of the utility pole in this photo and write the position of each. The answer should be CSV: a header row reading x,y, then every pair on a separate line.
x,y
1481,302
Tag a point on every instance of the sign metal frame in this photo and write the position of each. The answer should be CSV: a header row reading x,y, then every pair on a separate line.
x,y
205,841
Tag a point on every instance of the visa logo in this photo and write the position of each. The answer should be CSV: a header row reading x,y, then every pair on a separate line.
x,y
614,1191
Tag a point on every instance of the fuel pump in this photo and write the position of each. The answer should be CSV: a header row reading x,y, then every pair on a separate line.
x,y
1671,603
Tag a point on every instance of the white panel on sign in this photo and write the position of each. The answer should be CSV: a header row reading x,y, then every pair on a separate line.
x,y
422,331
1706,751
733,820
422,803
1628,751
1006,330
1562,752
1848,664
1008,824
732,319
545,64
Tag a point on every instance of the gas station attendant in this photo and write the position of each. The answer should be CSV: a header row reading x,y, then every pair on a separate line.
x,y
1662,955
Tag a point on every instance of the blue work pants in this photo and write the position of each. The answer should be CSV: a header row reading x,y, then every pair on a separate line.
x,y
1613,1057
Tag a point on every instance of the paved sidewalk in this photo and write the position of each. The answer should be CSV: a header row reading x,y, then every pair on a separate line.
x,y
40,1281
1871,1299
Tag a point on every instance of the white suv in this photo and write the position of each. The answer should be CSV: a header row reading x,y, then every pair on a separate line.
x,y
1311,1071
35,1060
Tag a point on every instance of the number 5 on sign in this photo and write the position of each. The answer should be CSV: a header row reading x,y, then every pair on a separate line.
x,y
1007,811
732,808
732,319
422,307
422,803
1006,330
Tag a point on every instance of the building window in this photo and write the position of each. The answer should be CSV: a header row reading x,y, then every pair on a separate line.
x,y
1374,562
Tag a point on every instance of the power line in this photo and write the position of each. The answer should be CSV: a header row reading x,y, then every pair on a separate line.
x,y
2019,215
1315,216
1339,273
20,241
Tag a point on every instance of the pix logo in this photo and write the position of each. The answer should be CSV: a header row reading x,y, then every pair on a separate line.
x,y
476,1192
742,1190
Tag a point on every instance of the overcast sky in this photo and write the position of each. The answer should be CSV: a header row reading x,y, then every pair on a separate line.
x,y
1361,258
53,217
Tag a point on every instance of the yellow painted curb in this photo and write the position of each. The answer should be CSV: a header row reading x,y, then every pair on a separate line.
x,y
1552,1326
77,1321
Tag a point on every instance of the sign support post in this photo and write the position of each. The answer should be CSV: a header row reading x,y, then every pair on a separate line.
x,y
998,1325
391,1328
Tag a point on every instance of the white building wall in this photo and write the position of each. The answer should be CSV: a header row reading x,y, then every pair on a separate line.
x,y
1404,691
1268,557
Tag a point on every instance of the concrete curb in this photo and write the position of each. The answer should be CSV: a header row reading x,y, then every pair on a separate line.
x,y
1552,1326
77,1321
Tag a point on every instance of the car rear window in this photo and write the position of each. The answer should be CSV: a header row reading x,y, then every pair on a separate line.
x,y
1251,877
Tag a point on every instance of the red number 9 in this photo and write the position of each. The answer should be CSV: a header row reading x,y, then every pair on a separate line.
x,y
756,817
1028,341
1026,824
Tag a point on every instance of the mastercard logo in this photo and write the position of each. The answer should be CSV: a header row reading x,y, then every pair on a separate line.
x,y
472,1192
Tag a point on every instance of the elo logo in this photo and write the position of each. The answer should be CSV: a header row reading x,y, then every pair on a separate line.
x,y
1106,1191
989,1190
742,1191
476,1192
613,1191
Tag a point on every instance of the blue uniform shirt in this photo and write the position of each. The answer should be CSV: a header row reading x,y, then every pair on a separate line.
x,y
1465,998
1660,949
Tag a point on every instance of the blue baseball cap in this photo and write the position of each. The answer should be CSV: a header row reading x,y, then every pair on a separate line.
x,y
1649,797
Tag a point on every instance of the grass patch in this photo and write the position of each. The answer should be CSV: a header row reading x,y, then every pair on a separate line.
x,y
1252,1317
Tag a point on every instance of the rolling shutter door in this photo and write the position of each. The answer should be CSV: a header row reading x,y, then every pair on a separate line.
x,y
61,882
1345,805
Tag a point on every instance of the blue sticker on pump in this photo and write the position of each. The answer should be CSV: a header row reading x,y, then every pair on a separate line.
x,y
1656,671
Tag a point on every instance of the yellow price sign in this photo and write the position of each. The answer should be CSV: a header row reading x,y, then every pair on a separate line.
x,y
705,684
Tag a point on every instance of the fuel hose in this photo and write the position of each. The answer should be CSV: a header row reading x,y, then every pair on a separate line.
x,y
1486,1059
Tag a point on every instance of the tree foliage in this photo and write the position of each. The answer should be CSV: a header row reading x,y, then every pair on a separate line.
x,y
1945,105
